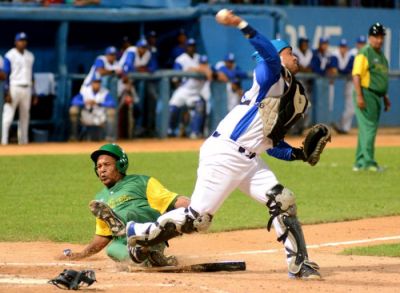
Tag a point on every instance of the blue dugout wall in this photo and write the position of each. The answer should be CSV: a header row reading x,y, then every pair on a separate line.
x,y
66,40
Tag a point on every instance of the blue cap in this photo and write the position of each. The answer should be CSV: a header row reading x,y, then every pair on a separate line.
x,y
230,57
191,42
362,39
280,45
323,40
343,43
21,36
142,43
203,59
111,50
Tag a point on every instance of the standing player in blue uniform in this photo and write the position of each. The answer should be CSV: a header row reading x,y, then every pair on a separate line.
x,y
230,158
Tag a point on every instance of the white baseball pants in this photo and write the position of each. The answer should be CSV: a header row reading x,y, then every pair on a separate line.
x,y
20,98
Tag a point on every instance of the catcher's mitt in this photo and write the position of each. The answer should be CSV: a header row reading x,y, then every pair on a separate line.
x,y
70,279
314,142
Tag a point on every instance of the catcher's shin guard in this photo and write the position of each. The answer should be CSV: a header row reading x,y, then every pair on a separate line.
x,y
282,208
169,225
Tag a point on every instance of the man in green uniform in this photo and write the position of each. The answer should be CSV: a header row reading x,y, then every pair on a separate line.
x,y
126,198
370,78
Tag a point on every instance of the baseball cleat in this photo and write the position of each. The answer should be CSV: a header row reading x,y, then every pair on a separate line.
x,y
102,211
308,271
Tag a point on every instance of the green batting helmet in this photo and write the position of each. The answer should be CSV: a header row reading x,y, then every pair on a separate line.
x,y
114,151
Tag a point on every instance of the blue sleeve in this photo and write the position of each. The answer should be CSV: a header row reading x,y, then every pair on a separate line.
x,y
128,64
334,62
77,101
227,72
349,66
177,66
282,151
268,52
99,63
240,73
153,64
316,64
7,66
108,102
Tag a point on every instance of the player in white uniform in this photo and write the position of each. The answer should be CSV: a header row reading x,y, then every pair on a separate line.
x,y
104,65
230,158
342,61
18,65
189,93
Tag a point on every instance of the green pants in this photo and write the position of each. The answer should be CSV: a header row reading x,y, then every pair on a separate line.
x,y
117,249
367,120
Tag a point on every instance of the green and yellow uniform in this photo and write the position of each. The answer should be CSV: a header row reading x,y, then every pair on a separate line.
x,y
136,198
373,68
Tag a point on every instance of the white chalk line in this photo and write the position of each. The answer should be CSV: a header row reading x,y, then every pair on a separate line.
x,y
316,246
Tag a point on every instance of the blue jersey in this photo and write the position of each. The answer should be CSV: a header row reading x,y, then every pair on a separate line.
x,y
232,74
320,63
344,64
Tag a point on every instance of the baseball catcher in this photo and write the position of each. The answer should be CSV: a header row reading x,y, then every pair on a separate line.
x,y
230,157
126,198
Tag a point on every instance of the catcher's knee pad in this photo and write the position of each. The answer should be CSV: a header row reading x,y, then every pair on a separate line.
x,y
282,207
280,200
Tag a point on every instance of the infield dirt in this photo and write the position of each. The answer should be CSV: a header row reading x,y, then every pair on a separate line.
x,y
25,267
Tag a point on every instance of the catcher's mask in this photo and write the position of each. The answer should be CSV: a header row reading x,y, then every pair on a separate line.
x,y
114,151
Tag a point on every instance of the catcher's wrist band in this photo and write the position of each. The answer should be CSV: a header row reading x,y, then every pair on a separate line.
x,y
242,24
248,31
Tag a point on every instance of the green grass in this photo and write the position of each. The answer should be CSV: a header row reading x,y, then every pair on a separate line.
x,y
392,250
45,197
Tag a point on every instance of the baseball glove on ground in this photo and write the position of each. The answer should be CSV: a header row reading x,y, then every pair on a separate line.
x,y
314,143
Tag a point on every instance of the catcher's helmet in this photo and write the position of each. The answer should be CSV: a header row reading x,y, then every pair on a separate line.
x,y
114,151
377,29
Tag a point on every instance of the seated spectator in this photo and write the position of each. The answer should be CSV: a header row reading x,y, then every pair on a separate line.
x,y
227,71
94,106
105,66
342,61
189,92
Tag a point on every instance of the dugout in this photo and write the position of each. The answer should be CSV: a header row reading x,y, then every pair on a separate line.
x,y
66,40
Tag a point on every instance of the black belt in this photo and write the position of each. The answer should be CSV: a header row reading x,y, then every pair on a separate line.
x,y
375,92
241,149
22,85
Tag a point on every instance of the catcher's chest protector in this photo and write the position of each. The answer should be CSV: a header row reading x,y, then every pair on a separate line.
x,y
280,113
